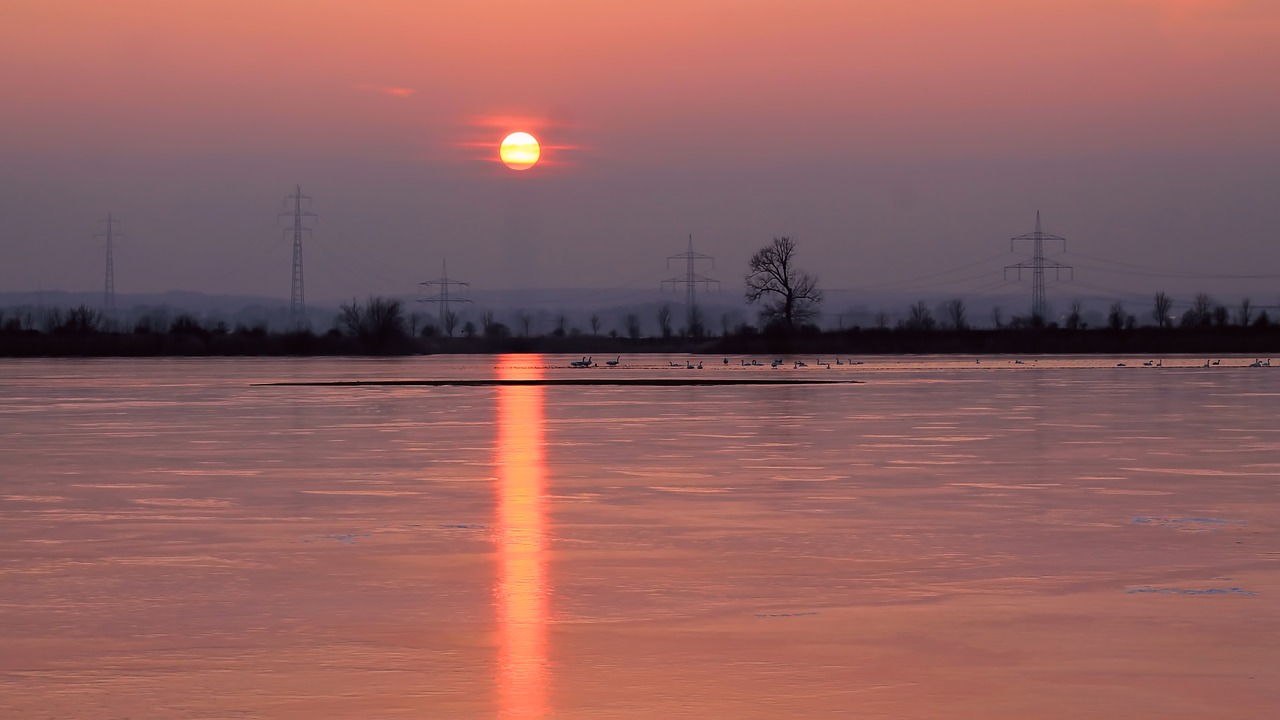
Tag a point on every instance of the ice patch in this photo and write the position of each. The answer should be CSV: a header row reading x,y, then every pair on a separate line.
x,y
1187,523
798,614
1190,591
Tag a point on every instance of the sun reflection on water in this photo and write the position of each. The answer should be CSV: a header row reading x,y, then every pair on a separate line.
x,y
522,585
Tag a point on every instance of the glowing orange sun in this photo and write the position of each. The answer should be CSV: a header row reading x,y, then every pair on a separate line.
x,y
520,151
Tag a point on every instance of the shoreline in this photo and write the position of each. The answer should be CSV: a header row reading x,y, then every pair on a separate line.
x,y
1216,340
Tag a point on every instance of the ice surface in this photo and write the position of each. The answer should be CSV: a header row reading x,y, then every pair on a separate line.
x,y
1059,538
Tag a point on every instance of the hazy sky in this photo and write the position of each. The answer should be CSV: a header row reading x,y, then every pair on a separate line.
x,y
893,139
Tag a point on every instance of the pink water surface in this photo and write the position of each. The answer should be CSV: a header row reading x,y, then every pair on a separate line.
x,y
1056,538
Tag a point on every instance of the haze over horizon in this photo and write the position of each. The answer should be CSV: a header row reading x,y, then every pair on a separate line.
x,y
900,144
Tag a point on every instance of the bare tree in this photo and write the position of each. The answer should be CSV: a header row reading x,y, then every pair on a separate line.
x,y
920,317
562,323
664,320
882,319
1202,309
956,314
788,295
633,326
696,327
450,320
79,320
378,321
1164,304
1116,316
526,322
1074,316
595,324
997,318
351,318
486,321
469,329
1221,316
1245,313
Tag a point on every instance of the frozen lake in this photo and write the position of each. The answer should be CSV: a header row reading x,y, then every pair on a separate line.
x,y
1051,538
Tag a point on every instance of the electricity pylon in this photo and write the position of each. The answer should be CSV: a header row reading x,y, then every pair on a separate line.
x,y
1037,265
442,297
691,280
109,283
297,298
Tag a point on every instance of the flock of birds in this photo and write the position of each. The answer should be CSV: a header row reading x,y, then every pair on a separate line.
x,y
1207,363
587,362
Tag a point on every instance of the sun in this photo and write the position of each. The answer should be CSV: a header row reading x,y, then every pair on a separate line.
x,y
520,151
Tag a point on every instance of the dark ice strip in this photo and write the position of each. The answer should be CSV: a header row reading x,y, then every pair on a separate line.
x,y
656,382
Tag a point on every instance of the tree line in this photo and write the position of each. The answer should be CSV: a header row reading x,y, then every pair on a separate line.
x,y
787,299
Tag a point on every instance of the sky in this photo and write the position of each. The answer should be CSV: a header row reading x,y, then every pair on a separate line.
x,y
900,143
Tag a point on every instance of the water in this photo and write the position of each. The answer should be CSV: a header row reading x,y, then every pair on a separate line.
x,y
1059,538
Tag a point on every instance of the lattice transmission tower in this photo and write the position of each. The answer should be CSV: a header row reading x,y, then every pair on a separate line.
x,y
691,281
297,297
1037,265
109,282
442,296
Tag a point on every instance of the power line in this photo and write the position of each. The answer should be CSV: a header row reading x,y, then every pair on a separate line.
x,y
691,280
442,297
1038,264
297,304
109,282
1178,274
930,276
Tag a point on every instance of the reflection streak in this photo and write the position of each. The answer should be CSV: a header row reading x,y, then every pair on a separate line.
x,y
522,584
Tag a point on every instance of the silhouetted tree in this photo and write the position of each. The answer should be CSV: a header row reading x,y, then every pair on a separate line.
x,y
1200,313
486,321
1221,315
1161,311
526,323
469,329
562,323
882,319
52,319
919,317
1245,312
1116,316
450,322
633,326
185,324
956,314
595,324
664,320
378,322
696,328
81,320
1074,316
997,318
788,294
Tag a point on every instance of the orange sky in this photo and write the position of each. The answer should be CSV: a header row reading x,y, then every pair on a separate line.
x,y
103,99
